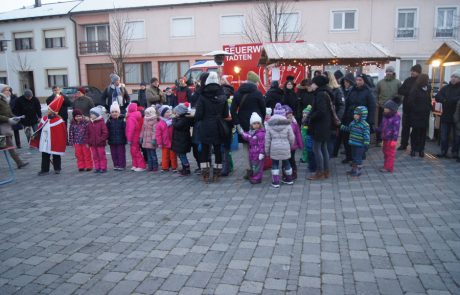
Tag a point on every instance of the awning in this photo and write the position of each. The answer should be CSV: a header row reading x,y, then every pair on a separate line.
x,y
314,54
447,53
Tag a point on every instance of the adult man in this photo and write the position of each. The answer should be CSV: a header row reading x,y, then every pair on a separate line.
x,y
29,106
83,102
386,89
154,94
183,93
449,96
141,97
63,112
115,92
405,90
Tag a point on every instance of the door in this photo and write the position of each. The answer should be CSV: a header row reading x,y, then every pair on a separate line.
x,y
26,81
99,75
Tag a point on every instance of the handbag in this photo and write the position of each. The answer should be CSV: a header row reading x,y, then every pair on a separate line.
x,y
334,118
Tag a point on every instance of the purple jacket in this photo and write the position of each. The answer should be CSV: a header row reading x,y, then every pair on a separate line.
x,y
390,127
78,132
256,141
298,143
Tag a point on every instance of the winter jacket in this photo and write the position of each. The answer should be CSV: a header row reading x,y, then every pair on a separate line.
x,y
273,96
134,124
29,108
291,99
298,142
107,97
419,103
183,94
254,102
360,96
359,129
78,132
117,130
154,96
164,134
229,91
171,100
142,98
211,109
405,90
338,100
63,111
148,132
256,140
457,117
386,89
449,95
13,100
195,96
320,115
97,132
279,138
305,98
181,139
390,126
84,104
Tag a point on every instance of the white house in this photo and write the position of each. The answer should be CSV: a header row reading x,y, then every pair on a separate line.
x,y
38,48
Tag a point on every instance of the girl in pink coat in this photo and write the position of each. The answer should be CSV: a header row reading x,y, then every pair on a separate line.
x,y
298,143
134,124
148,137
97,139
164,138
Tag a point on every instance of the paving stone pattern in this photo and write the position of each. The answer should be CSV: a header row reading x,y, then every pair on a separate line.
x,y
146,233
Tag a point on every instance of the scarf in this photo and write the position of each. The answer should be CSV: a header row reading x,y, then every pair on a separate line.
x,y
116,94
167,121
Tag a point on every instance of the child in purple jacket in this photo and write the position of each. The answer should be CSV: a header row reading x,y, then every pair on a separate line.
x,y
298,143
256,139
390,130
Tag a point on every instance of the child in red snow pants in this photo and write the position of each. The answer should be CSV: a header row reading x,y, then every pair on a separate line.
x,y
136,156
83,155
389,151
99,158
168,157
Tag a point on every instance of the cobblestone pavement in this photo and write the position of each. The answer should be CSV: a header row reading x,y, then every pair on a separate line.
x,y
145,233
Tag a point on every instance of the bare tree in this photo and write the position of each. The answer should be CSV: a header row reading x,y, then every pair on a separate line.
x,y
120,35
22,64
272,21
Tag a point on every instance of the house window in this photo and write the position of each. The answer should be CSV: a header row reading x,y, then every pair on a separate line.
x,y
3,43
446,22
344,20
23,41
57,77
55,38
232,24
182,27
97,39
136,73
289,22
3,78
135,29
406,23
170,71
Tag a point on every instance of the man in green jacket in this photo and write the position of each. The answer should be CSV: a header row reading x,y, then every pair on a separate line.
x,y
386,89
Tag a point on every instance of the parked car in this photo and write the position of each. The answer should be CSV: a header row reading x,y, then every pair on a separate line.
x,y
91,91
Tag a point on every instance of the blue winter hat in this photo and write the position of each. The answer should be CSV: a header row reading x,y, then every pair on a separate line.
x,y
114,78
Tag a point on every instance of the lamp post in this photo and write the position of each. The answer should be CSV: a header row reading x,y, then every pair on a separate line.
x,y
434,64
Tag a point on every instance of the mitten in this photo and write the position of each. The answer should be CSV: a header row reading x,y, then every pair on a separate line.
x,y
261,157
239,129
154,143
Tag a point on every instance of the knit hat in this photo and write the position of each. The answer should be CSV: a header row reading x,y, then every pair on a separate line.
x,y
307,109
393,103
338,75
150,112
82,90
290,78
3,86
287,109
320,80
181,109
212,78
255,118
268,111
279,110
97,111
456,74
115,107
28,93
416,68
275,84
114,78
163,109
390,69
76,112
253,77
350,78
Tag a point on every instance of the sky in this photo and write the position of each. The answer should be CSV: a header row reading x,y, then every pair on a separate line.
x,y
11,5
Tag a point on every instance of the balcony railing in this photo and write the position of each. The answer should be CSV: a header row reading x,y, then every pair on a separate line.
x,y
446,32
94,47
406,33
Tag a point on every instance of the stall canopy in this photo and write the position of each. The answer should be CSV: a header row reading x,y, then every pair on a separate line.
x,y
447,54
315,54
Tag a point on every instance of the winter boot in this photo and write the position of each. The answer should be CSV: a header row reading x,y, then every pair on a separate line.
x,y
288,179
294,173
326,174
276,178
353,170
185,170
319,175
216,172
205,172
248,174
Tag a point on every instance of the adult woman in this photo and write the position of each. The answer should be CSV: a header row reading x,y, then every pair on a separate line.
x,y
290,97
338,101
420,105
211,110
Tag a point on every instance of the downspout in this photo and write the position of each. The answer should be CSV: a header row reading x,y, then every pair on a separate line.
x,y
76,48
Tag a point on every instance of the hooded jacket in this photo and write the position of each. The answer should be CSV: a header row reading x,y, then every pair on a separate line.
x,y
29,108
274,95
78,132
97,132
181,139
148,133
279,138
390,126
386,89
359,129
256,140
360,96
320,115
134,124
254,102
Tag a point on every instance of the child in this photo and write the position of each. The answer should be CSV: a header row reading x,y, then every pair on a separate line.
x,y
134,124
279,138
117,138
170,97
181,138
148,139
307,154
164,137
256,139
298,144
97,136
390,131
359,139
267,160
78,137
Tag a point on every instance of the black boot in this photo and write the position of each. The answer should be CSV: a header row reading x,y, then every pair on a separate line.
x,y
412,153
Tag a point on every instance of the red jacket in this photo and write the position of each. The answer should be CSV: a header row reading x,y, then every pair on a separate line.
x,y
97,132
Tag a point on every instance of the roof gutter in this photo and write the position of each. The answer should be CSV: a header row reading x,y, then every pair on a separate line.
x,y
76,47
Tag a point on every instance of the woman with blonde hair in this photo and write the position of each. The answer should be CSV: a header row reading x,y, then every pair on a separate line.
x,y
338,100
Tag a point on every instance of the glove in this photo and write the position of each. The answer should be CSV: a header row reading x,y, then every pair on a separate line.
x,y
154,143
141,140
239,129
261,157
13,121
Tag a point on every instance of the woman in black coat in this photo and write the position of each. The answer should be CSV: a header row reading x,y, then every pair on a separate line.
x,y
290,97
247,99
211,110
306,97
419,102
274,95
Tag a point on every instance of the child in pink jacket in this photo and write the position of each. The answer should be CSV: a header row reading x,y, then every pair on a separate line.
x,y
164,138
148,137
134,124
97,139
298,143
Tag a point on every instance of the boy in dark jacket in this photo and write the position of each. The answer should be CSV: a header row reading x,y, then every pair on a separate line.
x,y
181,140
171,99
117,138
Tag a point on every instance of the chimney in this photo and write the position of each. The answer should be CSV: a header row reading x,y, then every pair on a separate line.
x,y
38,3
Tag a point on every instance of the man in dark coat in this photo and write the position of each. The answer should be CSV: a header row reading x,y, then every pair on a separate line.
x,y
63,111
29,106
405,90
83,102
449,96
141,96
17,127
115,92
274,95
